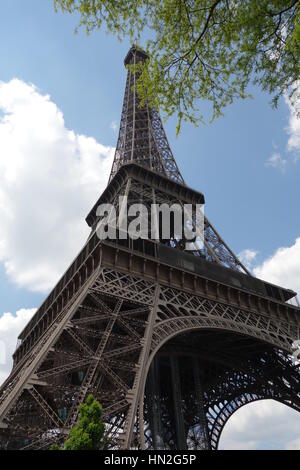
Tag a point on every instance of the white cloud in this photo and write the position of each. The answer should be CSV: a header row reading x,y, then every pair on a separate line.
x,y
247,257
264,424
268,424
293,444
276,161
10,327
114,126
49,179
293,129
283,267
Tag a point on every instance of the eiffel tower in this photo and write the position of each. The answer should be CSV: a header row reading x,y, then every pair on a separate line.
x,y
170,341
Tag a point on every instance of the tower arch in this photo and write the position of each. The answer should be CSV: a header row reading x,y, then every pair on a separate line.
x,y
233,382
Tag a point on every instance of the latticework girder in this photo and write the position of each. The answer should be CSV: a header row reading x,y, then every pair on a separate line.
x,y
171,343
234,353
142,138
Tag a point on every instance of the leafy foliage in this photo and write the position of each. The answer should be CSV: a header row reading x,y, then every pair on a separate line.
x,y
204,49
87,434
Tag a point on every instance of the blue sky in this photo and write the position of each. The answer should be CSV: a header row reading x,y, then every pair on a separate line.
x,y
253,204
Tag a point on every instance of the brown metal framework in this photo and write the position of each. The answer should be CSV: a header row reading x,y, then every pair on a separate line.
x,y
171,343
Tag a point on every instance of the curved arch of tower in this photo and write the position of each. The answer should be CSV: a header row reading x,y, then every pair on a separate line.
x,y
171,341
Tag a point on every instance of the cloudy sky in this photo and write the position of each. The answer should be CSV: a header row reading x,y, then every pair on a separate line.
x,y
60,104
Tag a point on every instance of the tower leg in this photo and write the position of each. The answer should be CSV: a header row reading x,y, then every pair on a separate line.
x,y
156,417
177,400
205,444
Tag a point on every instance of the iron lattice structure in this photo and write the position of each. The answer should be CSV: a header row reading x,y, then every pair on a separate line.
x,y
171,342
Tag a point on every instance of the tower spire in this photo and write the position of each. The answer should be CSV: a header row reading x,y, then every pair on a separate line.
x,y
142,138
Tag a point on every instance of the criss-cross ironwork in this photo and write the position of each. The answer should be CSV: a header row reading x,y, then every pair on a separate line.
x,y
142,138
171,342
